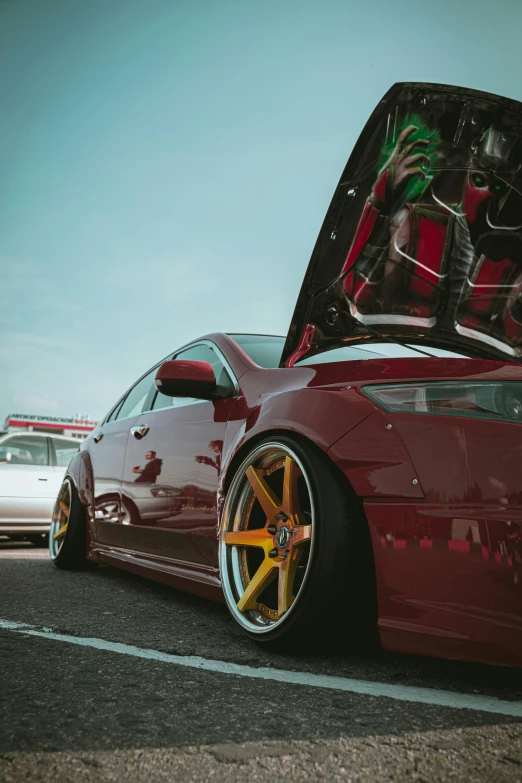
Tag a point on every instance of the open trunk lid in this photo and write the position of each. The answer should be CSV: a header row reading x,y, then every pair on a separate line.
x,y
422,241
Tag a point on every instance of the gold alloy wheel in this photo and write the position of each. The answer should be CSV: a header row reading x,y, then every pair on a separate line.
x,y
267,536
60,519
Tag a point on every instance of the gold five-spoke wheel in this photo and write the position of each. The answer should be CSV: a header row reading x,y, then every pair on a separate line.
x,y
60,520
267,537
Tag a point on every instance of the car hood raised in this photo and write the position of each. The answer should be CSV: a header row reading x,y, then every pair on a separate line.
x,y
422,241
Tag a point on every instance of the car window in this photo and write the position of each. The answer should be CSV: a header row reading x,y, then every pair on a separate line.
x,y
346,353
114,412
25,450
263,349
135,400
65,451
351,353
197,353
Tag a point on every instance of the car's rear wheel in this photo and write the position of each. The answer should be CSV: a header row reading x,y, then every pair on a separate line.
x,y
67,535
295,555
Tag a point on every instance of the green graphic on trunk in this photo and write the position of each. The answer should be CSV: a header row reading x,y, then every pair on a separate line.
x,y
419,182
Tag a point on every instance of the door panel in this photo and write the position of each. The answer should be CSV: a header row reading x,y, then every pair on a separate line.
x,y
27,493
26,481
107,453
107,457
170,481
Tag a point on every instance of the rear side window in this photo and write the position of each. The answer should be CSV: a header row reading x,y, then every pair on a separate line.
x,y
64,451
135,400
25,450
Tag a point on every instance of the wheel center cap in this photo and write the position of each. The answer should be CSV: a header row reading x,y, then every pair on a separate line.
x,y
283,537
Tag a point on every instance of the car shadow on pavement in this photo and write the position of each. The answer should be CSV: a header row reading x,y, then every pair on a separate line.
x,y
372,663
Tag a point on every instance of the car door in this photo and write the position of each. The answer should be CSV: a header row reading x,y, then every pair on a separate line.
x,y
107,453
26,480
172,467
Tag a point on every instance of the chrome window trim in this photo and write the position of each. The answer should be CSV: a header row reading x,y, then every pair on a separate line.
x,y
114,409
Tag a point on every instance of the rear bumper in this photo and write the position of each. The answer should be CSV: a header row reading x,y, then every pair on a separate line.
x,y
449,579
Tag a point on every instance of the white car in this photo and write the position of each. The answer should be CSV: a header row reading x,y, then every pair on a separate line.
x,y
32,467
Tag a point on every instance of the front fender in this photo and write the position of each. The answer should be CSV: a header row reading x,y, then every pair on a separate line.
x,y
322,416
375,461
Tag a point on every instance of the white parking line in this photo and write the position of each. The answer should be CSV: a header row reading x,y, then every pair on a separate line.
x,y
460,701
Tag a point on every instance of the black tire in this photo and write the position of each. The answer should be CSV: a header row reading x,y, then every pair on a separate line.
x,y
336,604
70,553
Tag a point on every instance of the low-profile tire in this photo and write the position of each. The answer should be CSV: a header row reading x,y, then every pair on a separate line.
x,y
295,552
67,535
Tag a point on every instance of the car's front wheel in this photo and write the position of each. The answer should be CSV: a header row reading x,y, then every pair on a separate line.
x,y
67,535
295,555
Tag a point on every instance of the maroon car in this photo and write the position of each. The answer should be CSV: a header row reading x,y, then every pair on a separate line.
x,y
364,472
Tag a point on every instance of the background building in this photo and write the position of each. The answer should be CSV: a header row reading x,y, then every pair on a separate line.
x,y
77,427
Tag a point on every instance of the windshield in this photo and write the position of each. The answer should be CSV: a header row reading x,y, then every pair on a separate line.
x,y
266,349
351,353
263,349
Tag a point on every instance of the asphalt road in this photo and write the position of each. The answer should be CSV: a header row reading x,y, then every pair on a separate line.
x,y
71,712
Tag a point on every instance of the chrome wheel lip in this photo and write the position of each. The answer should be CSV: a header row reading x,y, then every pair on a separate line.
x,y
54,544
233,566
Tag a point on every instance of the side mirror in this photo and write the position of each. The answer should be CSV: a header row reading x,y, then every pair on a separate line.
x,y
5,456
178,378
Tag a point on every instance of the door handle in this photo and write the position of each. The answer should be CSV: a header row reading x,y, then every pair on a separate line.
x,y
97,438
139,432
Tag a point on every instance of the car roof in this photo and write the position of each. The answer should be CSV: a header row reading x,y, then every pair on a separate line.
x,y
253,334
38,435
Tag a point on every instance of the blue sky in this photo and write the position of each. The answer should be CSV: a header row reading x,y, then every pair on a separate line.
x,y
166,165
